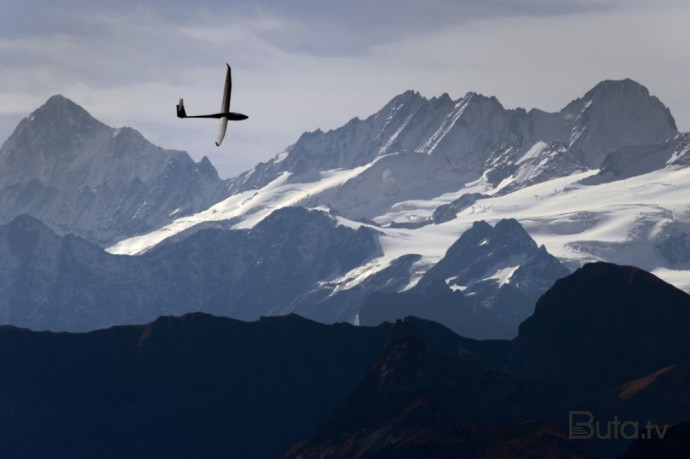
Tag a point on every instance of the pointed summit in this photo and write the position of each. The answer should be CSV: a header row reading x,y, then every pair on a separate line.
x,y
63,112
47,142
78,175
60,102
628,93
613,114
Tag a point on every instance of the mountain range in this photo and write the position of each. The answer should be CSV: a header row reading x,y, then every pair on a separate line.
x,y
53,282
199,385
602,179
79,176
513,398
458,211
521,241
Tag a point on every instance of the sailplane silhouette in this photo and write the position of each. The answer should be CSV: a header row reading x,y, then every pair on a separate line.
x,y
224,115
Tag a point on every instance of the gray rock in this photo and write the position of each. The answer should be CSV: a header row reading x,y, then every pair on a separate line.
x,y
80,176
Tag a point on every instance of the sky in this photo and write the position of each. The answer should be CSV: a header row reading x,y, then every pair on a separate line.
x,y
304,65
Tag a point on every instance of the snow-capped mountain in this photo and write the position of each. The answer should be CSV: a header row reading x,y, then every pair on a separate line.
x,y
485,285
293,261
458,211
416,148
78,175
605,178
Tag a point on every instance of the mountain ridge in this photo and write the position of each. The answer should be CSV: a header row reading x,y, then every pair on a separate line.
x,y
448,134
67,283
78,175
416,402
393,174
376,170
412,385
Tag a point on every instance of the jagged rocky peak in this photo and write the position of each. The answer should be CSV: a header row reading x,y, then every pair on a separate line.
x,y
61,145
507,235
482,250
472,137
406,98
79,175
59,109
205,167
480,112
615,114
46,140
624,94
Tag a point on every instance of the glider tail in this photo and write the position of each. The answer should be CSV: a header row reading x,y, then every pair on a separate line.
x,y
181,113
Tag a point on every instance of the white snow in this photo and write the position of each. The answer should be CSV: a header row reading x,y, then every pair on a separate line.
x,y
389,142
575,134
561,212
250,206
447,124
280,157
677,155
534,152
569,218
503,275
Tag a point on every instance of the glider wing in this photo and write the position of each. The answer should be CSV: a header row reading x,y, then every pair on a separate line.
x,y
225,107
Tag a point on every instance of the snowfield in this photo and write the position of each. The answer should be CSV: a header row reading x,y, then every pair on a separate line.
x,y
619,221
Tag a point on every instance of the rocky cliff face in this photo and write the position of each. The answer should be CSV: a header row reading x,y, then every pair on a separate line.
x,y
616,114
78,175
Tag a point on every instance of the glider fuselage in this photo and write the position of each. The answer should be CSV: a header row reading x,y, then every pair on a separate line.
x,y
232,116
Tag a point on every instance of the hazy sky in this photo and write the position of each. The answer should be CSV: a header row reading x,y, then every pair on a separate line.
x,y
303,65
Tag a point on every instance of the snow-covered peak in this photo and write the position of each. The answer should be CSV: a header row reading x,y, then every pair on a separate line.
x,y
484,252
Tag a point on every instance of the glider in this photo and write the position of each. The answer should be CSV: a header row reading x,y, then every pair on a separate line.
x,y
225,113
